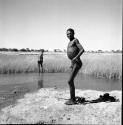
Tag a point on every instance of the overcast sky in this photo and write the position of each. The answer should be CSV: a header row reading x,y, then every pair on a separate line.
x,y
38,24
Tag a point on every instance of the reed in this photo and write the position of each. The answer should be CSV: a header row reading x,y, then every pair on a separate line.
x,y
100,65
103,65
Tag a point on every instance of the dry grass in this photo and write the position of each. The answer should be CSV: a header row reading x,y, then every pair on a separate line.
x,y
103,65
100,65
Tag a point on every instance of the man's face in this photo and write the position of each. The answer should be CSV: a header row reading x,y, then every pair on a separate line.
x,y
70,35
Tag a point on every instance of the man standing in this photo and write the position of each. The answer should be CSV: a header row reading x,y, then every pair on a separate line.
x,y
74,51
40,61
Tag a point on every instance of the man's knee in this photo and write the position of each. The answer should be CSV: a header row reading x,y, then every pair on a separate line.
x,y
70,82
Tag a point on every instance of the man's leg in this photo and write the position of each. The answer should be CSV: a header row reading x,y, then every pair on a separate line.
x,y
73,74
39,67
42,66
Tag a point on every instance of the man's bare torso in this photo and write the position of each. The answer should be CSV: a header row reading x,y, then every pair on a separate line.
x,y
72,49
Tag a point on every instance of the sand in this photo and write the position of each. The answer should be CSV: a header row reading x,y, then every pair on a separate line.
x,y
46,106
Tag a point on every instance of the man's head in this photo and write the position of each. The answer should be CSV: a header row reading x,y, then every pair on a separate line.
x,y
70,33
42,50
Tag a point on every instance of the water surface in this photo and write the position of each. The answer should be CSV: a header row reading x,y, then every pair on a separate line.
x,y
35,81
14,86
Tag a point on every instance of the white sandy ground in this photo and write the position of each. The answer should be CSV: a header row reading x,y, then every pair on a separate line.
x,y
47,107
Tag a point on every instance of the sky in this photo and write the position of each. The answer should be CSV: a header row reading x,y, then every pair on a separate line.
x,y
42,24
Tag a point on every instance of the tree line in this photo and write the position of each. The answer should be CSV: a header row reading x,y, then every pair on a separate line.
x,y
21,50
55,50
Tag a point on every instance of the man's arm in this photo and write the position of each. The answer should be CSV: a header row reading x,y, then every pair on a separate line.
x,y
80,48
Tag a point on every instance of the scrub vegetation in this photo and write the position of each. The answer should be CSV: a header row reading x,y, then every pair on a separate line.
x,y
101,65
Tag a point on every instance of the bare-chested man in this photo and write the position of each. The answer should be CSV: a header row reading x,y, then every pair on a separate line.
x,y
40,61
74,51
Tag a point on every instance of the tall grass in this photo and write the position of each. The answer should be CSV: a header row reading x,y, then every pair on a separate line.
x,y
99,65
103,65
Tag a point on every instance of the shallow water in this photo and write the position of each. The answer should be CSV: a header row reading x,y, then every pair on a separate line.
x,y
35,81
14,86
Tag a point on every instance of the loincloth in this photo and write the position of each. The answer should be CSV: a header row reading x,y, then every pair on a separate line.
x,y
40,61
77,62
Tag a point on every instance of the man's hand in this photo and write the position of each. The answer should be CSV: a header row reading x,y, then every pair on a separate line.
x,y
74,60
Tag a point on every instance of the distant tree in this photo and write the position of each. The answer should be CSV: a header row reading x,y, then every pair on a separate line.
x,y
27,49
32,50
9,49
23,50
118,51
57,50
91,51
3,49
113,51
100,51
38,50
15,50
106,51
46,50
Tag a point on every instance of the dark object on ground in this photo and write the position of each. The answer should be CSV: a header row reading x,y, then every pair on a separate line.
x,y
80,100
102,98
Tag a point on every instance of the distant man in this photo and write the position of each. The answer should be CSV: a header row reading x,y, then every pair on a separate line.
x,y
40,61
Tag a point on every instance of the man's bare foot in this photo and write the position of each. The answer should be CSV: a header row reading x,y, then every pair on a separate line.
x,y
70,102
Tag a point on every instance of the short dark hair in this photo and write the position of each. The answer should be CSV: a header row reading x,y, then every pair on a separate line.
x,y
71,30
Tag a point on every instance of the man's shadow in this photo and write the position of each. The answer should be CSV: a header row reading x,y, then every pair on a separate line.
x,y
102,98
40,80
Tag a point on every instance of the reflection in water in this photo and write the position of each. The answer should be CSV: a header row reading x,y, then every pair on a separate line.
x,y
40,80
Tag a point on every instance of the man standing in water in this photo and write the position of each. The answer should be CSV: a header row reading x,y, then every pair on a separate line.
x,y
74,51
40,61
